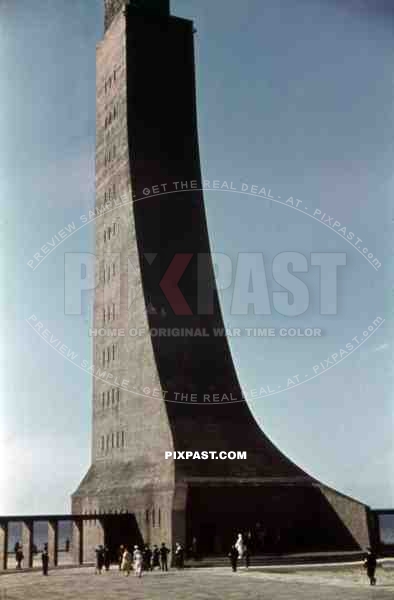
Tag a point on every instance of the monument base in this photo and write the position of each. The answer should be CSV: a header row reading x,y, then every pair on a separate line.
x,y
275,515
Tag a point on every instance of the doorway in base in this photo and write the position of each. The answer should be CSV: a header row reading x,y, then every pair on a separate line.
x,y
273,519
121,530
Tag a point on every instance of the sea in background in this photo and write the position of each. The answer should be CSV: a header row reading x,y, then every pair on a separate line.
x,y
40,534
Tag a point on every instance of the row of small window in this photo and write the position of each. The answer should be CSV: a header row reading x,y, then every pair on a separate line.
x,y
110,155
113,440
110,398
110,353
109,271
109,313
111,116
110,193
150,517
109,81
112,230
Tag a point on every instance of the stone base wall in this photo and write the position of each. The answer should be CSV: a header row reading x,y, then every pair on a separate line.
x,y
352,513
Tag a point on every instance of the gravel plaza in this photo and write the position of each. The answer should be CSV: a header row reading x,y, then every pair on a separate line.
x,y
344,583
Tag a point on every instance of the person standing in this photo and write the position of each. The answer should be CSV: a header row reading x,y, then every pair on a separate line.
x,y
120,556
179,556
155,557
137,561
99,559
370,565
126,561
247,556
164,552
19,557
107,558
194,550
239,544
45,560
233,555
147,559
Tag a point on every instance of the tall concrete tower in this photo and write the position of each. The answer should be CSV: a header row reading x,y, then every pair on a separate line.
x,y
163,393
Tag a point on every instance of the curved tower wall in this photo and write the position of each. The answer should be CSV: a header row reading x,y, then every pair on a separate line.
x,y
147,136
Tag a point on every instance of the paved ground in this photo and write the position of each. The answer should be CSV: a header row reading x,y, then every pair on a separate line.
x,y
199,584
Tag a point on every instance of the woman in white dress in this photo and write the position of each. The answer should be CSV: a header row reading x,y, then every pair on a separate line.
x,y
126,562
240,546
137,556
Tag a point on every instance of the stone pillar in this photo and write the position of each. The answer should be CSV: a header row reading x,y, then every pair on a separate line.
x,y
53,542
3,545
77,542
27,543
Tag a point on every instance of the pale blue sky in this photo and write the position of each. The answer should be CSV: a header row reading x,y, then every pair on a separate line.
x,y
293,96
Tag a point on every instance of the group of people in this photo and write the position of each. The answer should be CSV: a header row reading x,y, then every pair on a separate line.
x,y
147,559
240,550
103,559
139,560
19,557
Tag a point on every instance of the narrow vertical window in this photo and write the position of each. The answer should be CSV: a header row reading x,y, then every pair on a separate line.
x,y
122,439
103,399
113,351
159,518
153,517
113,440
102,443
117,395
103,357
117,439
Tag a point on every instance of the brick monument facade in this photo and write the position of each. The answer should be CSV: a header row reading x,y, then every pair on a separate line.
x,y
154,271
